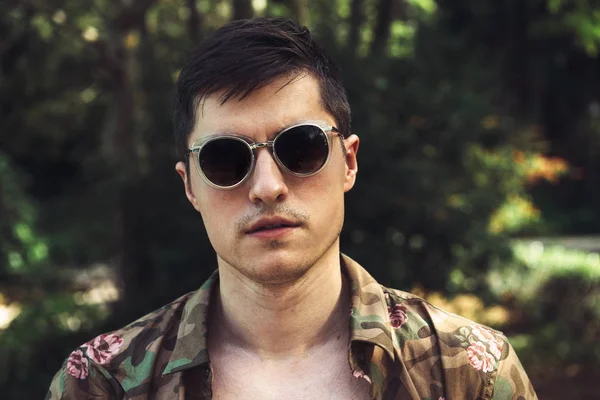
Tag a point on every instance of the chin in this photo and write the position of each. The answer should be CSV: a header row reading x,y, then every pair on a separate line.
x,y
274,269
277,262
275,277
274,266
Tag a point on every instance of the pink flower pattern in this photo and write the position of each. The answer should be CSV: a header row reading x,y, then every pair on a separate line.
x,y
479,358
77,365
103,348
495,349
398,315
485,335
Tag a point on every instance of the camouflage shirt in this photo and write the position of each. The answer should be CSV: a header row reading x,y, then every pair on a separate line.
x,y
403,346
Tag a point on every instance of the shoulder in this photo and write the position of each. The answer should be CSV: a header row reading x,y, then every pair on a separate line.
x,y
415,319
431,319
433,341
99,366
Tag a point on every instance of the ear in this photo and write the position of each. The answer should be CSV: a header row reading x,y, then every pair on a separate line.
x,y
187,183
351,144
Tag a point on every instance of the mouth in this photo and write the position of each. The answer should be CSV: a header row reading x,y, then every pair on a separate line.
x,y
271,226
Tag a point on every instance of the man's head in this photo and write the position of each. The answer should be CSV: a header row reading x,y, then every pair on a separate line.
x,y
253,79
247,54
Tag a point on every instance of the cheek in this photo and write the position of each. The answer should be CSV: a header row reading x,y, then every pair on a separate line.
x,y
325,194
333,193
217,213
334,178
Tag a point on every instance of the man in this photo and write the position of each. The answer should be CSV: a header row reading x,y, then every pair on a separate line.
x,y
263,121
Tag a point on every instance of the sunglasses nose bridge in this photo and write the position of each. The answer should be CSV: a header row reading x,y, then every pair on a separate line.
x,y
264,144
255,146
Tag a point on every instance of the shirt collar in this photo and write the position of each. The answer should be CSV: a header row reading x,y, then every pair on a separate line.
x,y
191,347
369,318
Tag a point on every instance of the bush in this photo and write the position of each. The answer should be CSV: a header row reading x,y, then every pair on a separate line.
x,y
556,295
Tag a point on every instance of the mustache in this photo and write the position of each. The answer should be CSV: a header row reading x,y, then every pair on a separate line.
x,y
264,210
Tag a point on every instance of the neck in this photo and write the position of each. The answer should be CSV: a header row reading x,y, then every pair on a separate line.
x,y
286,319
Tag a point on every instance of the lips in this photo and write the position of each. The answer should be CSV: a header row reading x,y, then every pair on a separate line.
x,y
271,224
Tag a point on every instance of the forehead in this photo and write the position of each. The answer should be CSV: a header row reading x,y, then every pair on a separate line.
x,y
284,102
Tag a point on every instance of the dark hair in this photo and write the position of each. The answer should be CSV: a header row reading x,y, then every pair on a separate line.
x,y
244,56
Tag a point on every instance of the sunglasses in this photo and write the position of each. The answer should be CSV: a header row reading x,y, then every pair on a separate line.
x,y
226,161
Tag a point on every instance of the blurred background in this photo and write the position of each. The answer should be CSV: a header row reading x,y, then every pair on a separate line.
x,y
479,183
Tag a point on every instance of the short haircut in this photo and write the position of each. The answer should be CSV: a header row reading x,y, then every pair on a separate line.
x,y
244,56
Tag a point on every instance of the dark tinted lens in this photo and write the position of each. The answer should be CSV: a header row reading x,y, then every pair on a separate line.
x,y
302,149
225,161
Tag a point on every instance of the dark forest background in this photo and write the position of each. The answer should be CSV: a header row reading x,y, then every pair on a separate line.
x,y
479,183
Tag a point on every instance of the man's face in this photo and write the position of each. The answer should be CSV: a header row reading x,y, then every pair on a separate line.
x,y
312,207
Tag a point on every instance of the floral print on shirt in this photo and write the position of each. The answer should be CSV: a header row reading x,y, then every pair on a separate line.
x,y
100,350
484,347
103,348
77,365
398,315
479,358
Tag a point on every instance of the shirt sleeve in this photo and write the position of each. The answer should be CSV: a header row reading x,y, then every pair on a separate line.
x,y
511,381
87,382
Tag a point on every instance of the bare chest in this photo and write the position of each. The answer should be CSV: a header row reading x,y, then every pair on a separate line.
x,y
326,377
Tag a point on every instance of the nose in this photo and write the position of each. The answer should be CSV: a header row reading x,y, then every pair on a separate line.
x,y
267,184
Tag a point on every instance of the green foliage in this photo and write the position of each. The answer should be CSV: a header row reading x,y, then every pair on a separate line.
x,y
558,294
21,250
40,338
579,18
434,173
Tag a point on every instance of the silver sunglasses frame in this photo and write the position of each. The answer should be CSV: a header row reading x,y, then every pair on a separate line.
x,y
253,146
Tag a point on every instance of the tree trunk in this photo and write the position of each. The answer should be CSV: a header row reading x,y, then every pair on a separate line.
x,y
120,144
299,10
242,9
357,18
195,22
381,32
